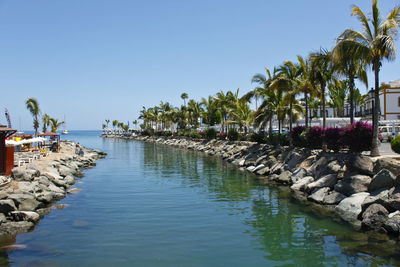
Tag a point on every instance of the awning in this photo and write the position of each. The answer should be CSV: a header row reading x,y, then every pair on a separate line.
x,y
25,141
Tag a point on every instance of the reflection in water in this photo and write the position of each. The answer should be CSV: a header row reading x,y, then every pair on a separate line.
x,y
288,232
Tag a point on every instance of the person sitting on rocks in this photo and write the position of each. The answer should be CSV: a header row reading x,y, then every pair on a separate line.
x,y
77,148
81,152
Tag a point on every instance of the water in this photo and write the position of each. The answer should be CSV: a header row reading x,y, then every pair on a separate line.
x,y
152,205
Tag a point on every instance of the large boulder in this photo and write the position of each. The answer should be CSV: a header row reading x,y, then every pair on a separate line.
x,y
263,171
349,208
361,164
297,175
14,228
302,184
325,181
353,183
390,164
7,205
294,160
28,216
374,217
392,224
29,205
64,170
383,179
333,198
284,177
318,194
24,175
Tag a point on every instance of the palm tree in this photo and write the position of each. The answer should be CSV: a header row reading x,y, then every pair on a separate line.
x,y
337,93
195,110
184,96
265,112
376,42
115,123
350,62
135,122
46,122
322,73
55,124
210,113
305,84
224,102
241,115
107,122
287,81
33,106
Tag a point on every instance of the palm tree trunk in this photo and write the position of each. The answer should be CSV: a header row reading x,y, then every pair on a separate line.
x,y
323,105
375,115
306,102
351,99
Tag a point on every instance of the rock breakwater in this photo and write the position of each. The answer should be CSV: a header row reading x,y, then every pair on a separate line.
x,y
32,189
362,191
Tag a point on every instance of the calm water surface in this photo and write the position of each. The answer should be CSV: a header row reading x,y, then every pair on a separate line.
x,y
151,205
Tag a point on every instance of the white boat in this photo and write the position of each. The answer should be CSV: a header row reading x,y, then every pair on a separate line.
x,y
65,131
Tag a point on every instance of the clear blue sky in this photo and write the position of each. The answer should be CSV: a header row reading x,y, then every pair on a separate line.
x,y
104,59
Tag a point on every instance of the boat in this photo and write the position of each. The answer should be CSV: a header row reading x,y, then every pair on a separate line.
x,y
65,131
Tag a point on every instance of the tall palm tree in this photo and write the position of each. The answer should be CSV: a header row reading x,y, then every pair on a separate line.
x,y
115,123
241,115
223,104
322,72
195,110
46,122
184,96
33,106
287,81
210,113
337,93
55,124
107,122
350,62
305,84
376,41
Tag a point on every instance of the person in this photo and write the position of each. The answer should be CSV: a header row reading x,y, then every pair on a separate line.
x,y
81,152
77,148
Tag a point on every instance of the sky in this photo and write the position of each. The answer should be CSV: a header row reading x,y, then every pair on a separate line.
x,y
87,61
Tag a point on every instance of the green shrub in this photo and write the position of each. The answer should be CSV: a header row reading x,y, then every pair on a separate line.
x,y
395,144
194,134
233,135
277,139
259,137
210,133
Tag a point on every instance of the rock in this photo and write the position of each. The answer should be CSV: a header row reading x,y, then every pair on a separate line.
x,y
28,216
325,181
43,212
276,168
298,175
295,159
375,197
259,167
392,225
2,218
284,177
318,194
55,179
318,167
391,201
14,228
73,190
7,205
33,166
333,198
29,205
349,208
383,179
69,180
64,170
353,183
250,168
361,164
307,163
24,175
263,171
390,164
374,217
302,184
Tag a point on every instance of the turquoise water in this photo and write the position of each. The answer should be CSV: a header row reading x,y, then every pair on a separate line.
x,y
151,205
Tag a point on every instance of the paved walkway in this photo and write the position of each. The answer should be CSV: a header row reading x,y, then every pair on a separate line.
x,y
386,150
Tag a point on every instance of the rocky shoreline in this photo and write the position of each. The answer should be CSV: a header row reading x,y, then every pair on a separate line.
x,y
34,188
362,191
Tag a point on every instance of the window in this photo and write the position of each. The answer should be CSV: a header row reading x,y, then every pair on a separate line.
x,y
399,101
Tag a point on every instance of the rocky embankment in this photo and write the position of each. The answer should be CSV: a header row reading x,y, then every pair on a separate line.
x,y
361,190
33,188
